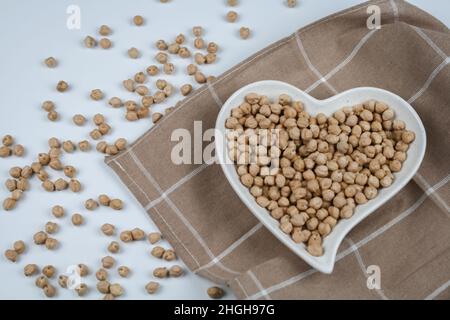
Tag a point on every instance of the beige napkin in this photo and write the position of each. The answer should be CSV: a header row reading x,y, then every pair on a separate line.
x,y
407,240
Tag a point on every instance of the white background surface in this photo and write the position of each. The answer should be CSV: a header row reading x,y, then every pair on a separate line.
x,y
30,31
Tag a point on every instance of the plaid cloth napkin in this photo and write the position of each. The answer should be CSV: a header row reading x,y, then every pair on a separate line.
x,y
408,239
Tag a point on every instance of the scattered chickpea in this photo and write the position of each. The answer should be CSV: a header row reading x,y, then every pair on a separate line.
x,y
81,289
108,262
68,146
232,3
49,271
186,89
169,255
200,77
158,252
197,31
152,70
154,237
215,292
49,290
84,145
91,204
103,286
161,57
156,117
161,272
199,43
244,32
90,42
9,204
105,43
123,271
152,287
52,115
79,119
176,271
138,20
51,243
108,229
83,269
58,211
232,16
291,3
11,255
104,30
51,227
137,234
62,86
51,62
96,94
62,281
30,270
74,185
101,274
114,247
126,236
133,53
116,204
115,102
77,219
116,290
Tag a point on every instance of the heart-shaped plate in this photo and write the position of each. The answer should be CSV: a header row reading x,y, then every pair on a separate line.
x,y
273,89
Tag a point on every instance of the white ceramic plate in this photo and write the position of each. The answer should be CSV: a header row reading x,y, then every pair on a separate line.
x,y
273,89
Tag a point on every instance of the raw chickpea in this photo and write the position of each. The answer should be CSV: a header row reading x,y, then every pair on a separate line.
x,y
60,184
49,271
103,286
140,77
101,275
52,115
68,146
169,255
152,287
137,234
108,229
74,185
49,291
19,246
5,151
83,269
200,77
197,31
51,62
161,45
191,69
108,262
152,70
138,20
161,272
62,86
11,255
186,89
126,236
18,150
244,33
232,16
40,238
199,43
47,106
154,237
96,94
51,227
81,289
90,42
176,271
161,57
104,30
158,252
51,243
114,247
123,271
79,119
199,58
30,270
58,211
91,204
105,43
77,219
168,68
215,292
291,3
104,200
173,48
133,53
116,204
184,52
84,145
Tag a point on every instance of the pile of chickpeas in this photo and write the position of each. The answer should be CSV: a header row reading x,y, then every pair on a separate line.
x,y
311,171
